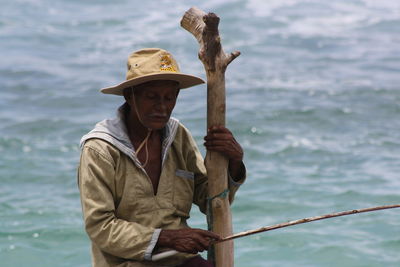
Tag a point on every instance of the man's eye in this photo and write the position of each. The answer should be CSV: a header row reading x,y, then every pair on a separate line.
x,y
151,96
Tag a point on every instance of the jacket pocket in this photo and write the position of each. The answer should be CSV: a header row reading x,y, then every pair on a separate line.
x,y
183,191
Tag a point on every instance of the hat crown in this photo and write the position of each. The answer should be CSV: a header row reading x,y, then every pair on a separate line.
x,y
150,61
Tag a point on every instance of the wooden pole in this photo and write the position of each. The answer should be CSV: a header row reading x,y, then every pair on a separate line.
x,y
306,220
204,27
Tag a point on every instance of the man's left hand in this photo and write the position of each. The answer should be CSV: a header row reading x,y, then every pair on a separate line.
x,y
221,139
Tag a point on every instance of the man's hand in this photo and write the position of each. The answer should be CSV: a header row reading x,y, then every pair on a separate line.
x,y
221,139
187,240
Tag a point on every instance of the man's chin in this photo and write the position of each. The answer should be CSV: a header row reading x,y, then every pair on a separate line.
x,y
157,125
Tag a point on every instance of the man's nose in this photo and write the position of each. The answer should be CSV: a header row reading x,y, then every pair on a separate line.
x,y
161,104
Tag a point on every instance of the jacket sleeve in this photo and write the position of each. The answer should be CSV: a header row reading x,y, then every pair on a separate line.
x,y
196,163
115,236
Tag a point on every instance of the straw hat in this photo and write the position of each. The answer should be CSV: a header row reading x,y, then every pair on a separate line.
x,y
152,64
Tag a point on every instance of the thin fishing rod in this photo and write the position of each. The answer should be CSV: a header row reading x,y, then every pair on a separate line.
x,y
305,220
169,253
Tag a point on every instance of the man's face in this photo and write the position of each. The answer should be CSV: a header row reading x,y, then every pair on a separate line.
x,y
154,102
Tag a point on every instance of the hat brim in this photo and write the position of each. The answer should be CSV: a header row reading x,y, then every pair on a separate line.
x,y
184,80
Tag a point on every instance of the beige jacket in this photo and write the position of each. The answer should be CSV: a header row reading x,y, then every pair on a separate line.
x,y
122,216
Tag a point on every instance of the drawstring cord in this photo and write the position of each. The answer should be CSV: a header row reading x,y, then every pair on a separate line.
x,y
144,143
145,140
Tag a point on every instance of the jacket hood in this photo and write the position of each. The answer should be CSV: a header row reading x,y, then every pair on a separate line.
x,y
114,131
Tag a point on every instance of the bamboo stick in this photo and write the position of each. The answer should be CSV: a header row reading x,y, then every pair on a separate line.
x,y
285,224
204,27
306,220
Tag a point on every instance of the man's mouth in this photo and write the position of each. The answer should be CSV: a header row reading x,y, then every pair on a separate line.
x,y
158,117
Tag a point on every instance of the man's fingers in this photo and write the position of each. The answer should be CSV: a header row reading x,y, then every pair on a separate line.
x,y
221,149
198,246
211,235
226,143
219,129
204,242
219,136
194,240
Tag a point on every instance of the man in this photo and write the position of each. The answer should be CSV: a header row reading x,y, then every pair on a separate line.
x,y
140,172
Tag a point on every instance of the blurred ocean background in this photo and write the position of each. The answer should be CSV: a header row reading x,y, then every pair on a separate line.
x,y
314,99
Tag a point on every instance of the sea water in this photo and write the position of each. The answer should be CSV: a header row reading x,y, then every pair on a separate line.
x,y
313,99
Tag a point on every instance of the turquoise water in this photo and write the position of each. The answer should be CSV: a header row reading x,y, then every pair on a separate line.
x,y
314,100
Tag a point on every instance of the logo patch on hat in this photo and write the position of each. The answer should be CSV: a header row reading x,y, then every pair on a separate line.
x,y
166,64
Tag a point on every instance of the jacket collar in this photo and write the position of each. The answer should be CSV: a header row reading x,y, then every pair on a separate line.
x,y
114,132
